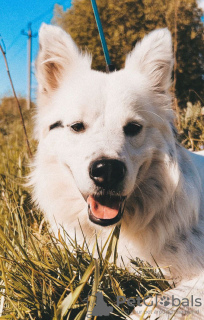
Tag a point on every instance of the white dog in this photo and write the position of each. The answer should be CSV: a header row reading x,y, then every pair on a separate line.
x,y
107,153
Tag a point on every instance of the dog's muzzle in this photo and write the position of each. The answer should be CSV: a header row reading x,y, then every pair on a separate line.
x,y
107,175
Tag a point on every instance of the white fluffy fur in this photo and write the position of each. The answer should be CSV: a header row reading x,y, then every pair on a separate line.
x,y
164,213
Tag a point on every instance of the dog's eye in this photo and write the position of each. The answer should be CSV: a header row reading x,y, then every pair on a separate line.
x,y
132,129
78,127
56,125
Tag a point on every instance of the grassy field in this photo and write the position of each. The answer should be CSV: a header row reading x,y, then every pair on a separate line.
x,y
47,278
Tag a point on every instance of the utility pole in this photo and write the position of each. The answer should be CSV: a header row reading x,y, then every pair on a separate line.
x,y
30,35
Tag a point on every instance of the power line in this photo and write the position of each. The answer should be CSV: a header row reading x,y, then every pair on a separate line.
x,y
34,21
14,41
42,15
17,52
30,36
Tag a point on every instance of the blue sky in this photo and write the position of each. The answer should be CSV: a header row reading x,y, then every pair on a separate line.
x,y
14,16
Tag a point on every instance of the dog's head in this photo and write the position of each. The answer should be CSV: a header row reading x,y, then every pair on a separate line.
x,y
102,128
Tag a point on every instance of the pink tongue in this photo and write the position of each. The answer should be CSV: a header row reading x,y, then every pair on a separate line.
x,y
102,211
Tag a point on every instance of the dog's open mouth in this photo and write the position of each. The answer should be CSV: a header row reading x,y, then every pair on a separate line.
x,y
105,210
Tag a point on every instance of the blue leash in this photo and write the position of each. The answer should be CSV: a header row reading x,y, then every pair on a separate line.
x,y
109,66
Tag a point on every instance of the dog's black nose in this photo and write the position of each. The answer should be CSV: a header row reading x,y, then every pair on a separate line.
x,y
107,173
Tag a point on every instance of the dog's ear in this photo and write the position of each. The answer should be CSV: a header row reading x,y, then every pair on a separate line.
x,y
153,56
58,54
